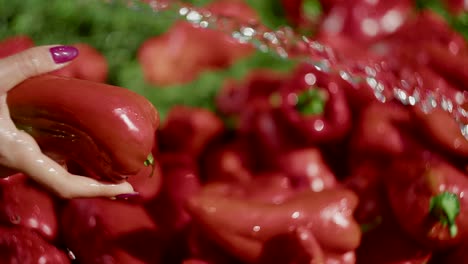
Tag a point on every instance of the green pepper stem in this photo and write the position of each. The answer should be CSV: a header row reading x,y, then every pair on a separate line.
x,y
150,162
311,102
446,207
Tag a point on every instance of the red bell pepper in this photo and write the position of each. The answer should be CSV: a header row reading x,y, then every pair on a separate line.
x,y
180,182
234,96
382,121
388,244
314,106
440,128
107,130
229,161
249,224
301,247
147,182
15,44
268,135
365,179
202,247
456,7
21,245
426,194
239,10
189,130
457,254
182,53
105,231
364,21
89,65
26,205
307,169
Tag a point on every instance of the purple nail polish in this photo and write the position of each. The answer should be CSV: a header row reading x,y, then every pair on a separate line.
x,y
62,54
126,196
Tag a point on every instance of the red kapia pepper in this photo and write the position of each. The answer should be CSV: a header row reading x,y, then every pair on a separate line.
x,y
15,44
24,204
249,224
426,194
314,106
105,231
21,245
107,130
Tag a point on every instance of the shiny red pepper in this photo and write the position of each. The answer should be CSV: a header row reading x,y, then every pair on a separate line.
x,y
307,169
106,231
364,21
249,224
441,129
426,194
382,121
365,179
458,254
229,161
180,182
268,135
15,44
183,52
26,205
21,245
107,130
90,65
314,106
388,244
234,96
189,130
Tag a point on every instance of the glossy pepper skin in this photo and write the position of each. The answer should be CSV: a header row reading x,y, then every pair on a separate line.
x,y
105,231
21,245
442,130
108,130
314,106
234,96
189,130
248,224
230,160
307,169
380,121
426,194
388,244
180,181
26,205
340,18
15,44
90,65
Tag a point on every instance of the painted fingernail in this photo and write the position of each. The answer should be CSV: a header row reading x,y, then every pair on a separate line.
x,y
127,196
62,54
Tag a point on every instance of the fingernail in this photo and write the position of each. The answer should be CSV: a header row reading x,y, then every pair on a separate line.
x,y
62,54
126,196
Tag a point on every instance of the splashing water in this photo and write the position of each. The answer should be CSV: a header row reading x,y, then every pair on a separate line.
x,y
288,45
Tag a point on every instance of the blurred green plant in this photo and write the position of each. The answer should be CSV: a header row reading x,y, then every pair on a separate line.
x,y
117,32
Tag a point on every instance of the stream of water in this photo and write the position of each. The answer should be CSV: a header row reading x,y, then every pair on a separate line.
x,y
285,43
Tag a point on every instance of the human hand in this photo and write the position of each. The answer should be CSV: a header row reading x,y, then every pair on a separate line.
x,y
19,151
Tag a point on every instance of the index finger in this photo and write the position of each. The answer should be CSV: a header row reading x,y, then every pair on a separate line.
x,y
31,62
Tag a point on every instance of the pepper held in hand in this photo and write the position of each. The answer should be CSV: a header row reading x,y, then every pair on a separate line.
x,y
108,131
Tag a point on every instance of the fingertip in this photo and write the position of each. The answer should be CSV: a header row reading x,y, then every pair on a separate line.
x,y
62,54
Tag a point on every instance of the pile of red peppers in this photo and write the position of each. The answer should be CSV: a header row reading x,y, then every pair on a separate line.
x,y
297,168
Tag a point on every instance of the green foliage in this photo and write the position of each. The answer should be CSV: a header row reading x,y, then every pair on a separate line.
x,y
117,32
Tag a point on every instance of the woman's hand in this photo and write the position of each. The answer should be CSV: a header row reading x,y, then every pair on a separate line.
x,y
20,151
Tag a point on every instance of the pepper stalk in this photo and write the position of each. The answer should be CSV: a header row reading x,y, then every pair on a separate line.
x,y
446,207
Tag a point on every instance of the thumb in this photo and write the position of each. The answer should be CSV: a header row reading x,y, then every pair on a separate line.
x,y
31,62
